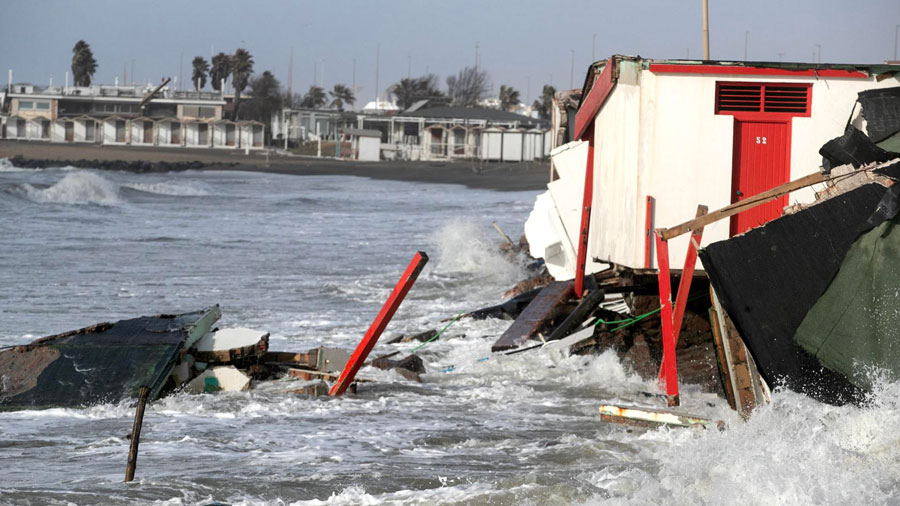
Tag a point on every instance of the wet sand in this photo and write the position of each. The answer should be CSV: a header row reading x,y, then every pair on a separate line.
x,y
473,174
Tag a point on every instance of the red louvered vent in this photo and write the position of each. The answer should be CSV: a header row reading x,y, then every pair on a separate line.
x,y
779,98
738,97
793,99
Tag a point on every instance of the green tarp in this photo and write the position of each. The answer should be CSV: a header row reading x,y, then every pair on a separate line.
x,y
854,327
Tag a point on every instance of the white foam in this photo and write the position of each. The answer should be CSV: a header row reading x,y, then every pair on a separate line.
x,y
172,188
7,166
462,247
77,187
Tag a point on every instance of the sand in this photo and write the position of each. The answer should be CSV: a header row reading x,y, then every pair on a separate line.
x,y
524,176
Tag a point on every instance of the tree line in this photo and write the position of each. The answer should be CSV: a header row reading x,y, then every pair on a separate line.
x,y
467,88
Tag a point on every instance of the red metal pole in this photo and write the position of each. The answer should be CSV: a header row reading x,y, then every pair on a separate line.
x,y
668,330
585,213
384,317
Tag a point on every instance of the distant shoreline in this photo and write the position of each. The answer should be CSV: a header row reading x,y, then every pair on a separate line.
x,y
525,176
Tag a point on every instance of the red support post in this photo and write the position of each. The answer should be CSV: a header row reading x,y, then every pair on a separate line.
x,y
668,330
384,317
648,233
687,275
585,213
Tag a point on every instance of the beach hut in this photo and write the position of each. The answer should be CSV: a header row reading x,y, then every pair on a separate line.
x,y
458,142
671,134
115,130
435,141
224,134
28,128
365,145
169,132
251,134
197,134
512,145
491,143
143,131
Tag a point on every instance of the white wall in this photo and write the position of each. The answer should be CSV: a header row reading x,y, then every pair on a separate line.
x,y
512,146
528,147
658,135
491,143
369,148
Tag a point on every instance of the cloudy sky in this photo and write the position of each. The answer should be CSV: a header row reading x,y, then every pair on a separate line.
x,y
523,43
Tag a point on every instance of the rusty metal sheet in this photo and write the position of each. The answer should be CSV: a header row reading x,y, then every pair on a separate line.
x,y
536,315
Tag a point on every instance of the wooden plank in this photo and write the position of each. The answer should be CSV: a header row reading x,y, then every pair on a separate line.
x,y
536,315
721,359
652,417
684,286
748,203
578,315
668,332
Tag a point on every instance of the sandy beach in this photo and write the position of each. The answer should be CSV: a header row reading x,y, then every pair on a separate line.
x,y
474,174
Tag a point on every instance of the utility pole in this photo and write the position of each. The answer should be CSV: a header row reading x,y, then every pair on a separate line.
x,y
706,29
780,56
125,73
528,91
746,42
572,69
819,53
132,71
593,47
291,80
408,66
476,56
355,92
896,36
181,70
377,63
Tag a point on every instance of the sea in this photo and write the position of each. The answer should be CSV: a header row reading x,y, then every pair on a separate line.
x,y
311,259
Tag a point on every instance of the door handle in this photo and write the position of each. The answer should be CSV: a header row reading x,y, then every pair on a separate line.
x,y
739,193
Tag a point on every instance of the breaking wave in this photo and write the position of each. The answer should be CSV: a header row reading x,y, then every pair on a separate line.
x,y
462,247
79,187
7,166
168,188
84,187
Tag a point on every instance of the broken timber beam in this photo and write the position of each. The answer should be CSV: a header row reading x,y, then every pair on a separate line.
x,y
535,316
585,307
651,418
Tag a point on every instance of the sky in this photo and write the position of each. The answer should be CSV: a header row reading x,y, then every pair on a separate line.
x,y
521,43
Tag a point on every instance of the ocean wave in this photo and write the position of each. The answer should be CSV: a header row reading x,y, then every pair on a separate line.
x,y
7,166
168,188
78,187
462,247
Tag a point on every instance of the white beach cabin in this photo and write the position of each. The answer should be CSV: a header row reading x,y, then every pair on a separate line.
x,y
669,135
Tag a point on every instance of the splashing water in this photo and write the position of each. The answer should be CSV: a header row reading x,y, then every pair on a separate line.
x,y
78,187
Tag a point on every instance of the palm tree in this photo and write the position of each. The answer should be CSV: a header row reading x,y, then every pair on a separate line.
x,y
314,98
544,105
408,91
341,95
83,63
221,69
201,69
241,68
509,97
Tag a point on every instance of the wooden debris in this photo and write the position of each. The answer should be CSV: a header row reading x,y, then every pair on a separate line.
x,y
230,345
652,417
223,378
537,315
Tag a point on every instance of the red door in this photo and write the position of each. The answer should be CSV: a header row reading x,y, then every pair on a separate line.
x,y
760,163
